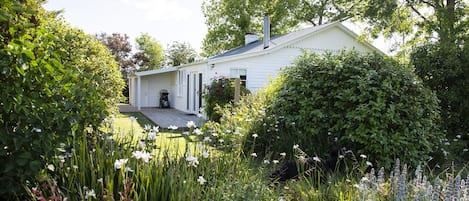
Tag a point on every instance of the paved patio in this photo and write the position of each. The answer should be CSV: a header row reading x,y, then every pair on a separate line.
x,y
163,117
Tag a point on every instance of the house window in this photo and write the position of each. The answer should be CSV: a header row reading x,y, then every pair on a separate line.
x,y
239,73
181,83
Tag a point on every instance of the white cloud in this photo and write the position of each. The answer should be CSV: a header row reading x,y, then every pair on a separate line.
x,y
161,10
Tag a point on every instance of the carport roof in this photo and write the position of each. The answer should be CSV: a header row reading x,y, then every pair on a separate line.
x,y
157,71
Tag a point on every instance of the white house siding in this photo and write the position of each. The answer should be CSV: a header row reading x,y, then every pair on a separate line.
x,y
330,39
262,68
151,85
180,100
259,69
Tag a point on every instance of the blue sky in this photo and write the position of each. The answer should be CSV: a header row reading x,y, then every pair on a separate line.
x,y
165,20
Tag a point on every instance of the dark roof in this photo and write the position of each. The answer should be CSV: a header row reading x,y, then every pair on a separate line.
x,y
258,46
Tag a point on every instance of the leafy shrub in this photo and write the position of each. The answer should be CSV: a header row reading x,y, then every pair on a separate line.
x,y
219,93
60,81
445,70
367,103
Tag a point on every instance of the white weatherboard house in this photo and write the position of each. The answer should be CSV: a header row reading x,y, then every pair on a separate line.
x,y
255,64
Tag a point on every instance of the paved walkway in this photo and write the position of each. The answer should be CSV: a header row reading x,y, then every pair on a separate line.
x,y
163,117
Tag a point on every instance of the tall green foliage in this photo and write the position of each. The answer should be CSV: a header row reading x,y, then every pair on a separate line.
x,y
228,21
57,81
445,69
366,103
150,54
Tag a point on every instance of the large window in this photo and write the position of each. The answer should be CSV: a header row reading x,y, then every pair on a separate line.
x,y
239,73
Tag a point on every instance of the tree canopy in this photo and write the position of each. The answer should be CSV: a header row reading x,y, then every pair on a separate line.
x,y
150,54
228,21
120,47
180,53
413,20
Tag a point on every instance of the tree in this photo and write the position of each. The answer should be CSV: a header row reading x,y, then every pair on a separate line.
x,y
228,21
317,12
418,22
180,53
150,54
121,48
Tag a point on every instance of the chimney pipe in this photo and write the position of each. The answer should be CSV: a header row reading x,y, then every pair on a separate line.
x,y
266,31
250,37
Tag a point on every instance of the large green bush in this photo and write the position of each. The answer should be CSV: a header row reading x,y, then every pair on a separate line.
x,y
366,103
56,81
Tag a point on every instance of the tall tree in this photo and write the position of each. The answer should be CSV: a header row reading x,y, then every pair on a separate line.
x,y
120,47
180,53
150,54
419,21
317,12
228,21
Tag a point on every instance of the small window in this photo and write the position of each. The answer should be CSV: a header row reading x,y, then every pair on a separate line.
x,y
239,73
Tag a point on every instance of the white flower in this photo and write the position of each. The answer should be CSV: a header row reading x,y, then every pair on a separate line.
x,y
147,127
90,193
201,180
132,118
172,127
141,144
341,156
266,162
255,135
198,132
275,161
205,154
145,156
296,146
37,130
100,180
207,139
465,150
363,156
192,161
185,133
283,154
317,159
214,134
254,155
190,124
281,199
156,129
119,163
458,136
151,136
221,140
369,163
127,169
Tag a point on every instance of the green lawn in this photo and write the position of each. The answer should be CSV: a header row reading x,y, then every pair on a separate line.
x,y
174,143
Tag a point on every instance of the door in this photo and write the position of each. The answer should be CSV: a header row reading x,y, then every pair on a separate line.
x,y
194,92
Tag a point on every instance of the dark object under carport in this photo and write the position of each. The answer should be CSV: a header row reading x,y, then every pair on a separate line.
x,y
164,99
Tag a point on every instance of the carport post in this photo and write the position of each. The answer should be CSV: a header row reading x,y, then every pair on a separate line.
x,y
138,93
